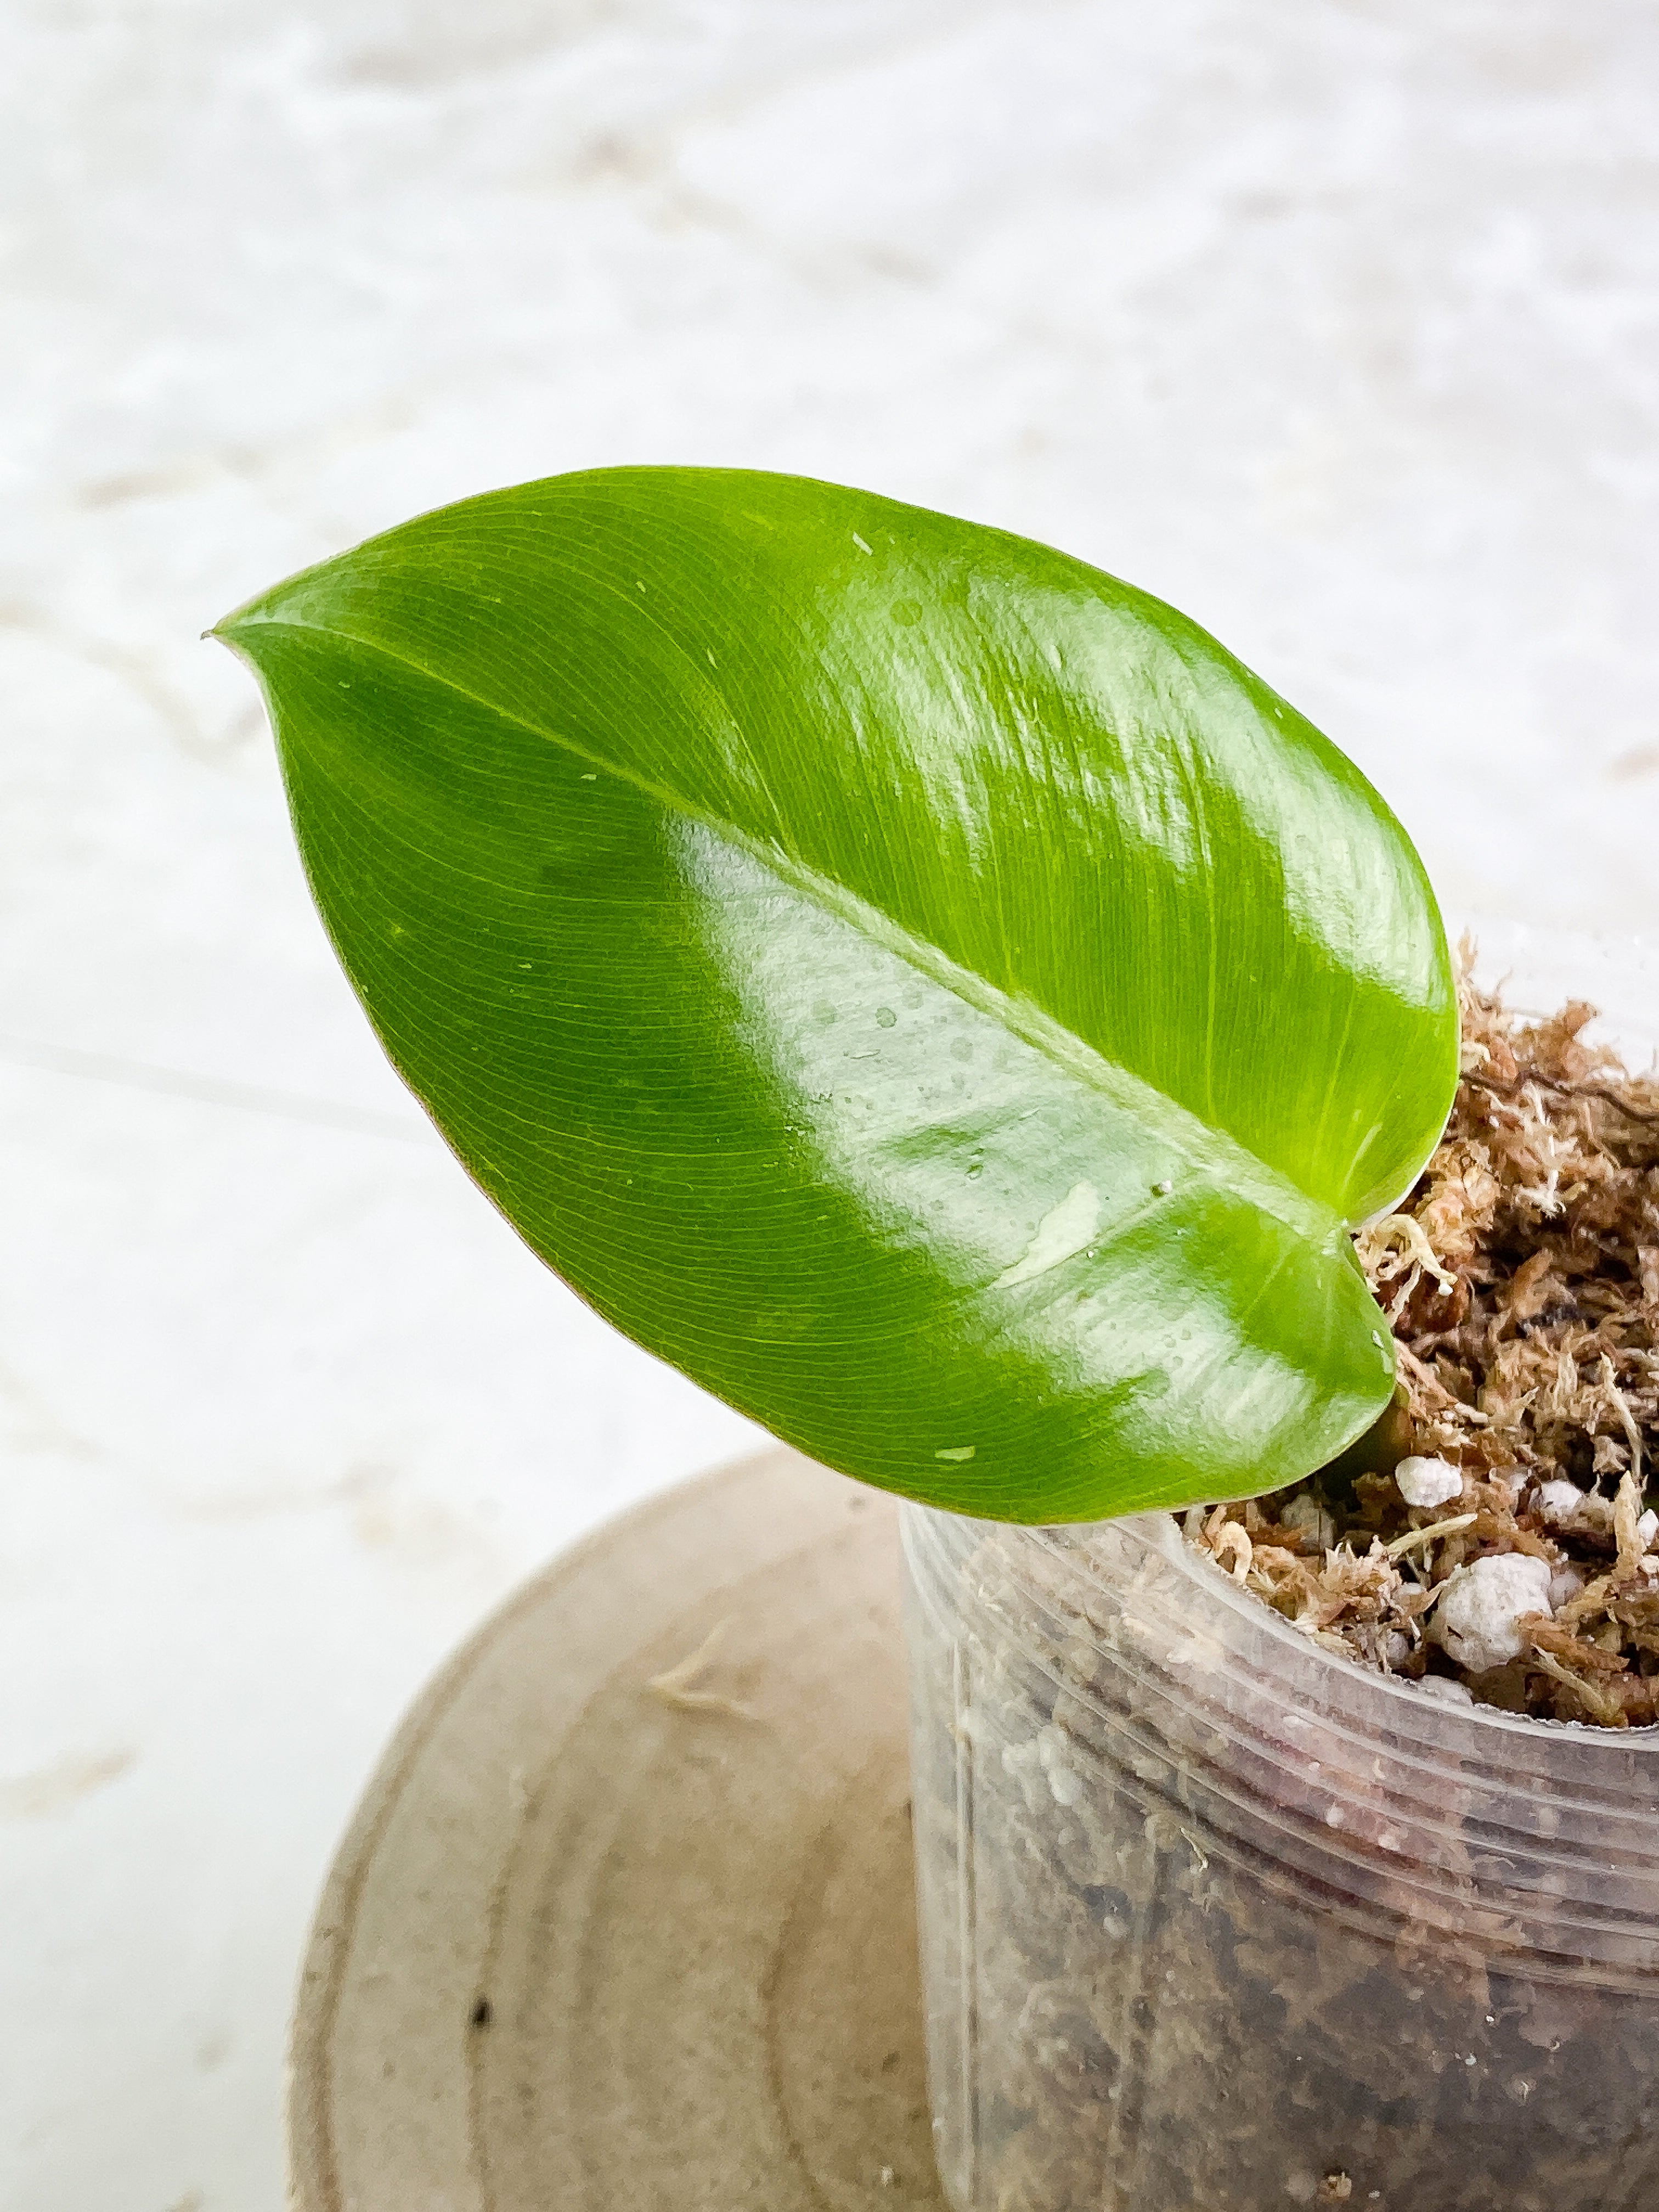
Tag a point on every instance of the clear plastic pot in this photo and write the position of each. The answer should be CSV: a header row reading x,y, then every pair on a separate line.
x,y
1213,1918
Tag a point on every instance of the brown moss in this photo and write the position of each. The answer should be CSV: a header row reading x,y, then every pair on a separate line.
x,y
1520,1277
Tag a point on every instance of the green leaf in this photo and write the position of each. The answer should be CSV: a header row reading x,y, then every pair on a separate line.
x,y
923,988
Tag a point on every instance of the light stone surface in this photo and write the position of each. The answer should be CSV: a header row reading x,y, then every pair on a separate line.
x,y
1335,325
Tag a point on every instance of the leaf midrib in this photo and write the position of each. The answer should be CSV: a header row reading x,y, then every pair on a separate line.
x,y
1213,1152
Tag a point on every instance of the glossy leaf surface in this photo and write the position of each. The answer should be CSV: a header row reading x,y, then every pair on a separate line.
x,y
923,988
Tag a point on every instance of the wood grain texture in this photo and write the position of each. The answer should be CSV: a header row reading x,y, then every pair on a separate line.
x,y
600,1941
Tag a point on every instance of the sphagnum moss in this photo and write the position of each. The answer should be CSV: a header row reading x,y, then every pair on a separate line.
x,y
1522,1280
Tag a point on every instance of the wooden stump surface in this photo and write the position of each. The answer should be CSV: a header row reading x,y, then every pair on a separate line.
x,y
625,1921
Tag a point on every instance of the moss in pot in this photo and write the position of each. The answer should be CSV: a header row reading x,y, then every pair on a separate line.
x,y
934,995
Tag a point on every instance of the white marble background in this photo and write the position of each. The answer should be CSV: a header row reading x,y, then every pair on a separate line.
x,y
1334,323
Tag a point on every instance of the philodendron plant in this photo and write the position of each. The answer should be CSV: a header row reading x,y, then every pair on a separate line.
x,y
922,987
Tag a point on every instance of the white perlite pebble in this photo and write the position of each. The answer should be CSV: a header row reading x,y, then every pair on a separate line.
x,y
1065,1782
1428,1481
1565,1583
1476,1619
1559,1502
1448,1692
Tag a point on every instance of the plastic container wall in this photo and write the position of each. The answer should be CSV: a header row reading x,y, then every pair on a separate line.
x,y
1211,1919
